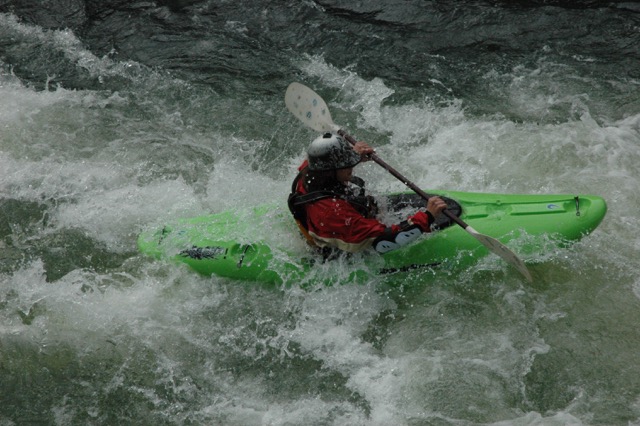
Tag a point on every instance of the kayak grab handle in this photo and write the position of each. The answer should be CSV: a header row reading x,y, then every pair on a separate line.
x,y
244,252
577,205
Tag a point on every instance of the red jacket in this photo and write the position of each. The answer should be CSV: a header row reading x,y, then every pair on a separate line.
x,y
335,222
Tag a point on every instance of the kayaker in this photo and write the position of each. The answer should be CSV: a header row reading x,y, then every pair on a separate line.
x,y
332,210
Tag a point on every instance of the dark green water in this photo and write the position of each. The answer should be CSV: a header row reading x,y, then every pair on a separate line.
x,y
116,116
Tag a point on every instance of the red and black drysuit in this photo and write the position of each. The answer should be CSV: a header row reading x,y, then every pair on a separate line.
x,y
343,219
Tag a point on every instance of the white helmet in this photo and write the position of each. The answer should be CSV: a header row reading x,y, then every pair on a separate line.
x,y
331,152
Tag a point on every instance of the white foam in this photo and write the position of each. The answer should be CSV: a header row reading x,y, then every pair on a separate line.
x,y
66,42
233,184
330,328
537,419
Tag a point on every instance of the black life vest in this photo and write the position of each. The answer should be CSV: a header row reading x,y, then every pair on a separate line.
x,y
354,195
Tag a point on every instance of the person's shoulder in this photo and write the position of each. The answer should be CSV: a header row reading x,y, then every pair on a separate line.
x,y
304,164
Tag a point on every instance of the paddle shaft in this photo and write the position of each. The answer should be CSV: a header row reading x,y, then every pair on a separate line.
x,y
403,179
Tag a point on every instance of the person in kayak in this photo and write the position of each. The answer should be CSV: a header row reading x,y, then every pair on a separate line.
x,y
332,210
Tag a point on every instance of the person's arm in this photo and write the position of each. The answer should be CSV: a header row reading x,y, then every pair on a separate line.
x,y
406,232
336,223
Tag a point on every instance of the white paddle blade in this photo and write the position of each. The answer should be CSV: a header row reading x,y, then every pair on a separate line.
x,y
501,250
309,108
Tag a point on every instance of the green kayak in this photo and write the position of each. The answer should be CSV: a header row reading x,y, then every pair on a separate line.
x,y
263,243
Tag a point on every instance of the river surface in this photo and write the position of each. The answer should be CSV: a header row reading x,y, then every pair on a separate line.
x,y
116,116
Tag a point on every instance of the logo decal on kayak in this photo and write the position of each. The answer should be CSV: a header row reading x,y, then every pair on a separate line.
x,y
200,253
553,206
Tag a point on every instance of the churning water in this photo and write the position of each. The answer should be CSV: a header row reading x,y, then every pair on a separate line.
x,y
117,116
